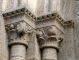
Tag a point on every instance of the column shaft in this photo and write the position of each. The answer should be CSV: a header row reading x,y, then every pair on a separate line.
x,y
18,52
49,54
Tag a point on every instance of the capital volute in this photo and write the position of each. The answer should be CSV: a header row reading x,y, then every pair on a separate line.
x,y
40,36
39,33
49,37
17,30
60,38
10,28
51,31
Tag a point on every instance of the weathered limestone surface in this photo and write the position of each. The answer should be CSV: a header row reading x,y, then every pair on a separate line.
x,y
77,10
1,2
32,5
40,7
18,52
23,2
76,38
3,5
33,51
67,9
49,54
67,48
3,41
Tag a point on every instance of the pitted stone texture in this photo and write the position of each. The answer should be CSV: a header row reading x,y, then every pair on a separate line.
x,y
1,4
3,40
77,10
33,51
52,6
46,7
18,52
49,54
67,48
3,57
21,17
32,6
18,58
11,4
69,9
76,38
22,2
40,4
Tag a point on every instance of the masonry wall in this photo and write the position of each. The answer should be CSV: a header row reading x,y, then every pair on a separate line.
x,y
3,41
76,30
69,49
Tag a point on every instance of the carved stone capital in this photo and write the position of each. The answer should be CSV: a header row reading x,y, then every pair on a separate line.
x,y
12,32
17,31
51,31
49,37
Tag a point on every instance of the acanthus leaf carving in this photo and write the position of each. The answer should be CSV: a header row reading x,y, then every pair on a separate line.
x,y
49,36
17,30
21,27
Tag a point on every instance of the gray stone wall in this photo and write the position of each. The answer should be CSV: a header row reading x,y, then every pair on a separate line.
x,y
69,10
67,48
3,41
76,29
77,10
76,38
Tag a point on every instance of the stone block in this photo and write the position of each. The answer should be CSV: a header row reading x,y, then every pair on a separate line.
x,y
3,39
3,57
76,38
67,47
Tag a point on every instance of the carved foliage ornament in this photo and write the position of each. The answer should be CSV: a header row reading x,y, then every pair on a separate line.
x,y
16,30
49,36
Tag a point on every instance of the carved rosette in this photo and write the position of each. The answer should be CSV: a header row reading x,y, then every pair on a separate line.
x,y
49,38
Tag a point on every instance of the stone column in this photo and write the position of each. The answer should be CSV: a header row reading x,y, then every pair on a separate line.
x,y
18,52
49,42
18,43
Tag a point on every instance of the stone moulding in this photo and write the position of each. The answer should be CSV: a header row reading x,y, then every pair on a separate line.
x,y
69,23
18,11
24,10
19,42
